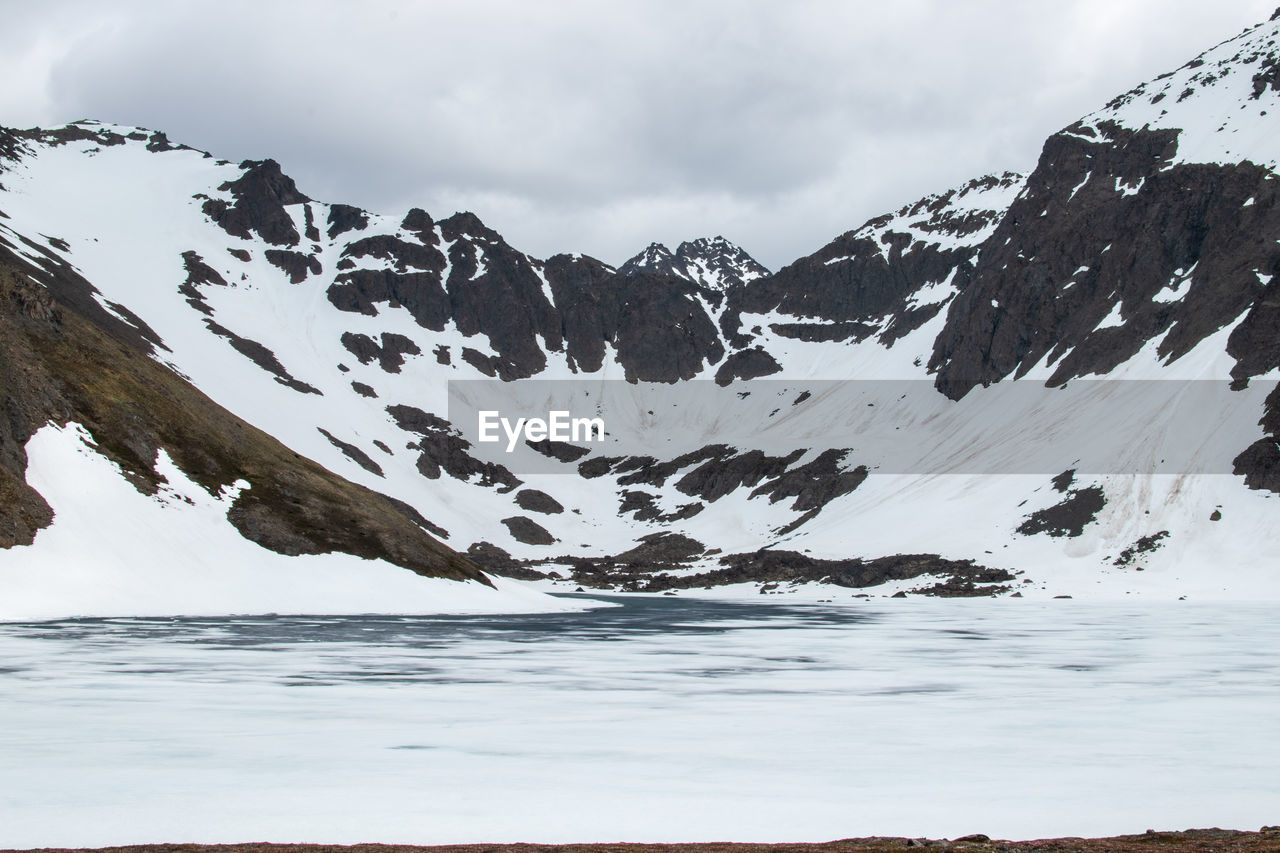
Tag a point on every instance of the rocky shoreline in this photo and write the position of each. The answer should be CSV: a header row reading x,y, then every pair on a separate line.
x,y
1187,841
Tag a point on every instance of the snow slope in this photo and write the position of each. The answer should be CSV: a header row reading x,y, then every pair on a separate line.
x,y
1142,248
113,551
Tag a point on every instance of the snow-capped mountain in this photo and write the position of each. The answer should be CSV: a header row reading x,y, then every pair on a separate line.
x,y
870,416
712,262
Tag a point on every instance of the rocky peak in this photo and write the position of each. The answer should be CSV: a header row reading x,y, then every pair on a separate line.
x,y
657,258
1227,99
712,262
260,196
467,224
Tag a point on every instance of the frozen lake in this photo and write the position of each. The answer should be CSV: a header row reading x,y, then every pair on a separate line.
x,y
661,719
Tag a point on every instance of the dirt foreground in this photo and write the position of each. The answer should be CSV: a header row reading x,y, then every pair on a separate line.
x,y
1189,841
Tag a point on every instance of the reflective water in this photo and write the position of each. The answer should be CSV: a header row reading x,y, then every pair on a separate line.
x,y
660,719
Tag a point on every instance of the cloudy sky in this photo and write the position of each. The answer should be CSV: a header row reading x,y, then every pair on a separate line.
x,y
599,126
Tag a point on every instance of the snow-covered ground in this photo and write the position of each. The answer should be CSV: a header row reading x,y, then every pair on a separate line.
x,y
112,551
660,720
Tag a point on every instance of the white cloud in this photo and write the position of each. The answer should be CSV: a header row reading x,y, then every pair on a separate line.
x,y
597,127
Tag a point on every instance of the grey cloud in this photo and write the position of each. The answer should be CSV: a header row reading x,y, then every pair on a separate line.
x,y
597,127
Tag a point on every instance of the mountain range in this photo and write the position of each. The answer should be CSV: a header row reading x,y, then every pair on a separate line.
x,y
222,395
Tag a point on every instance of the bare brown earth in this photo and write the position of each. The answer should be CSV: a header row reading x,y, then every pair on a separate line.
x,y
63,359
1189,841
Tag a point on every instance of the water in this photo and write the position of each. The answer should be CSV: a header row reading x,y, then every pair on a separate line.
x,y
660,719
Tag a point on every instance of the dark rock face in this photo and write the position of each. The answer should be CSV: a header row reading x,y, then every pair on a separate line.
x,y
585,299
1268,76
413,284
908,321
296,264
658,326
851,280
442,448
663,333
660,548
558,450
869,273
643,506
1259,463
538,501
526,530
498,562
728,471
261,356
309,224
389,354
403,254
491,289
717,470
486,364
495,291
198,273
261,195
419,223
11,145
747,364
76,132
1144,545
344,218
645,569
353,453
816,483
1119,225
1070,516
419,293
788,566
819,332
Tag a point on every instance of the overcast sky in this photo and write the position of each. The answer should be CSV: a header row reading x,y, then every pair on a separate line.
x,y
601,126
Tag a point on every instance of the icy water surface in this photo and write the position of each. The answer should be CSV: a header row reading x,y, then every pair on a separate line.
x,y
660,719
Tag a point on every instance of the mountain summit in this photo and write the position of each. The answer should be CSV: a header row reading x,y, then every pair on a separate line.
x,y
711,262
